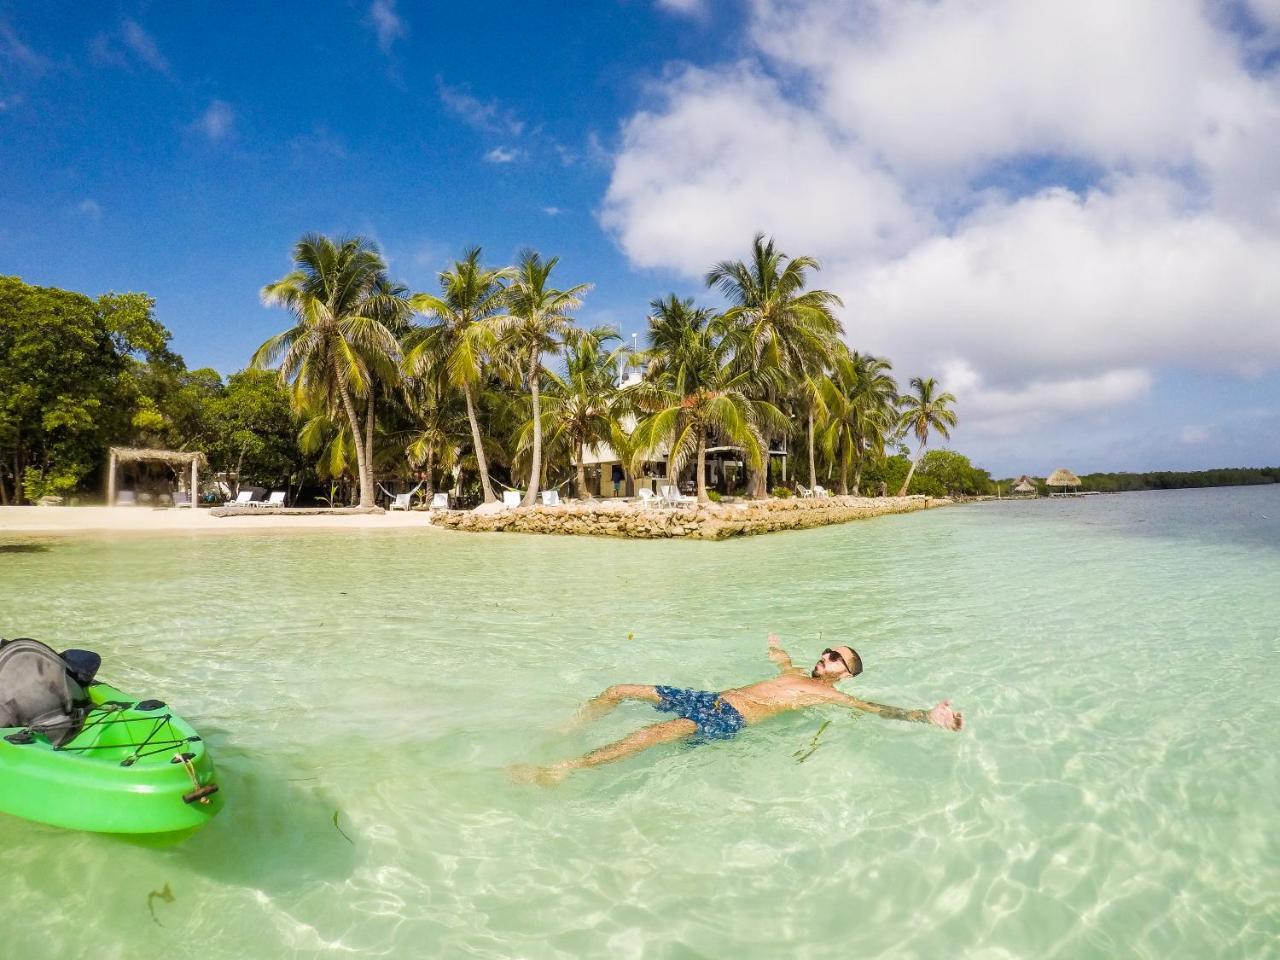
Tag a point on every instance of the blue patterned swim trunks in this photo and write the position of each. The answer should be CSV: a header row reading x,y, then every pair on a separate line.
x,y
717,719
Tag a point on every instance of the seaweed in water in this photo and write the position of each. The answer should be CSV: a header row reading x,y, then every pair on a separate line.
x,y
340,830
23,548
804,753
166,895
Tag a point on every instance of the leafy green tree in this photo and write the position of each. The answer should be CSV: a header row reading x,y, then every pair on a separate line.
x,y
461,338
955,473
923,411
536,323
340,342
67,384
253,431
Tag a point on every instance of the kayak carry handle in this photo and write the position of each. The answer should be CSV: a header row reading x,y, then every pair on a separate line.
x,y
200,794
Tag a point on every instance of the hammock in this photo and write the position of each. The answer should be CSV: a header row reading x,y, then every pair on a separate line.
x,y
519,491
392,496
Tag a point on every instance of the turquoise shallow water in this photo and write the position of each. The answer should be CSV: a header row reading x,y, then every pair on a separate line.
x,y
1117,659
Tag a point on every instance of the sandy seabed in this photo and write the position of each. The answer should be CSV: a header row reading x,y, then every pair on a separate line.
x,y
124,520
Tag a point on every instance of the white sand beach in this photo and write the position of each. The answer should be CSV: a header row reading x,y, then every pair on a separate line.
x,y
128,520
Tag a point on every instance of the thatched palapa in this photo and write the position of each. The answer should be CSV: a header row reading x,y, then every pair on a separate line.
x,y
119,455
1062,477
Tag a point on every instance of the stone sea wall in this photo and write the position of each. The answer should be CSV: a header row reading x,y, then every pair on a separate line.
x,y
715,522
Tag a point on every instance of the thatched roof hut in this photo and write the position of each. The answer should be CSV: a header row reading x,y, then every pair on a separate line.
x,y
1025,486
120,455
1062,477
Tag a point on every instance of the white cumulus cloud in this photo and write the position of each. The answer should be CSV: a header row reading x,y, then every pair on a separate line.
x,y
1047,205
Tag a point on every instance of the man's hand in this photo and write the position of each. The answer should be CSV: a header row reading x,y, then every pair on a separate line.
x,y
780,657
943,716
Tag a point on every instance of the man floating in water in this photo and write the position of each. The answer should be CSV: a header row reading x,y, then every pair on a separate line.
x,y
702,715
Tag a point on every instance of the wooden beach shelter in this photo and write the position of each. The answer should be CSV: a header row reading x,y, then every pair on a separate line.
x,y
117,456
1063,478
1025,486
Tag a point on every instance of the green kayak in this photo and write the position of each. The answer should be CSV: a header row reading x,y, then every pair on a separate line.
x,y
133,767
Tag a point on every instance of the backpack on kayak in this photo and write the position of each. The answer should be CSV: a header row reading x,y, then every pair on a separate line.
x,y
42,691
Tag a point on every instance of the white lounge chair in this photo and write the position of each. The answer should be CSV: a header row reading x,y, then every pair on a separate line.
x,y
243,499
820,491
126,498
400,501
275,500
673,497
551,498
803,490
647,497
182,499
512,498
440,501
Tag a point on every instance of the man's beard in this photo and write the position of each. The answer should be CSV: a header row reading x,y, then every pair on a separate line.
x,y
814,673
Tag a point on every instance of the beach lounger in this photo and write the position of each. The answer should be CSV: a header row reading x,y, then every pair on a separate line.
x,y
551,498
400,501
647,497
243,499
275,500
126,498
512,498
182,499
440,501
820,491
673,497
803,490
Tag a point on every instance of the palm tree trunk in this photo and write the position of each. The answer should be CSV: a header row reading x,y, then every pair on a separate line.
x,y
583,492
535,471
813,471
366,485
368,446
844,477
481,463
911,473
430,486
702,467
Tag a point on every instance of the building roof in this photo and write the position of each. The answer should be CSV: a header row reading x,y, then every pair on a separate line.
x,y
1025,487
1062,477
136,454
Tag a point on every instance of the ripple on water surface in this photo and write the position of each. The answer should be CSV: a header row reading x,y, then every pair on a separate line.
x,y
363,693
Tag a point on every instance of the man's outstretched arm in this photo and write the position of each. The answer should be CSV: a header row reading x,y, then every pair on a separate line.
x,y
940,716
780,657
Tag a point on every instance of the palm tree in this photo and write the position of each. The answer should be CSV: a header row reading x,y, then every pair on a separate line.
x,y
536,323
439,426
675,325
469,296
699,387
785,327
339,297
586,405
922,411
862,404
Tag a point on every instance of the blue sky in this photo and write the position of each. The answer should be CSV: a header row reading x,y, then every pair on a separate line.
x,y
1018,247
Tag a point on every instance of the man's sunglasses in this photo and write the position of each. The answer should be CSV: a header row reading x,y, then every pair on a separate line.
x,y
834,657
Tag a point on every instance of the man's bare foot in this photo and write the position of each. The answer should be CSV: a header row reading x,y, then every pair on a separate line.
x,y
543,776
943,716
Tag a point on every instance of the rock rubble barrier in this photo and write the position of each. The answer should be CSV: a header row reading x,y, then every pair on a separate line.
x,y
613,518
